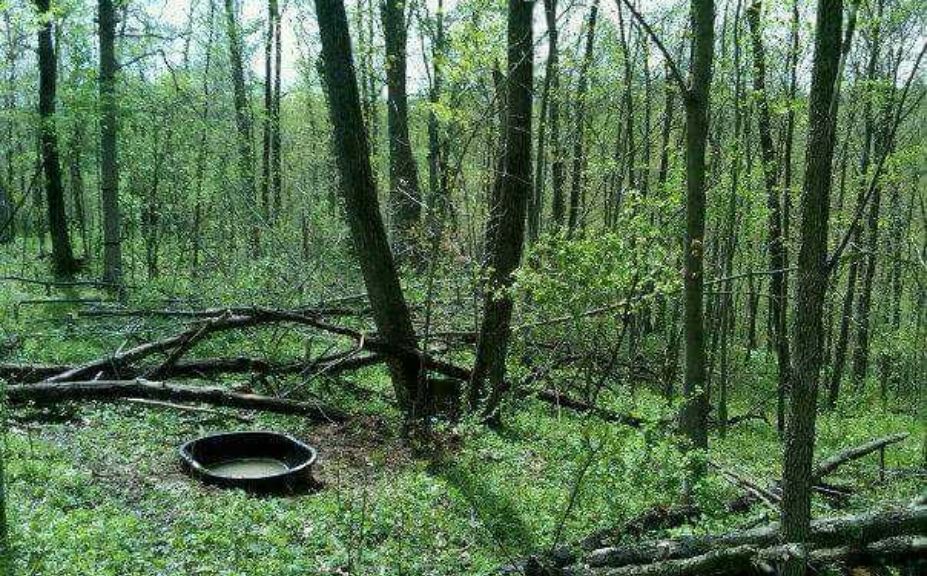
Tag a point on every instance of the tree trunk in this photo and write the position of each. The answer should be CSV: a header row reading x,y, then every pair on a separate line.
x,y
63,262
76,177
812,280
694,412
884,145
358,189
196,232
109,164
536,199
404,192
242,122
776,239
506,227
267,158
437,143
578,159
558,203
276,159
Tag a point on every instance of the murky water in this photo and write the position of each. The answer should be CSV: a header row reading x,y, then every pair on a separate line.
x,y
248,468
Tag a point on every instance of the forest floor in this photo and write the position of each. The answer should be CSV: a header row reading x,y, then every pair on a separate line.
x,y
97,489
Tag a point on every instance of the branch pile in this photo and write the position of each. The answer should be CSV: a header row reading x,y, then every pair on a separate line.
x,y
131,372
600,543
891,536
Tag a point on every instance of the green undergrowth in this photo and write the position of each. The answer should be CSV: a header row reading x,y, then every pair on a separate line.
x,y
103,493
97,489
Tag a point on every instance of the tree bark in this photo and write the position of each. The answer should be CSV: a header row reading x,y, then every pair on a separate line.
x,y
242,121
694,412
812,280
777,258
558,203
859,529
63,261
438,189
110,390
109,163
276,158
506,227
578,156
358,189
267,158
404,192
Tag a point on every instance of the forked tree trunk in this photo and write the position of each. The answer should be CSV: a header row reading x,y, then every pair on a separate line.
x,y
579,159
404,192
506,228
63,262
359,191
812,284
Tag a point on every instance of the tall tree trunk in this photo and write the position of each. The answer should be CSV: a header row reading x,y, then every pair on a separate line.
x,y
776,240
730,241
853,275
694,412
535,200
790,131
437,143
267,157
669,107
63,262
109,163
558,202
242,123
404,192
812,280
884,144
276,161
368,234
506,227
75,157
578,157
203,148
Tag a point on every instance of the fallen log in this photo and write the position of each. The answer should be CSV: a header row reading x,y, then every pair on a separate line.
x,y
751,559
561,400
200,368
322,310
830,464
825,532
111,390
188,408
664,518
13,372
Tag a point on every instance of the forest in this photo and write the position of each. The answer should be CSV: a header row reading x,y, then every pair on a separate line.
x,y
447,287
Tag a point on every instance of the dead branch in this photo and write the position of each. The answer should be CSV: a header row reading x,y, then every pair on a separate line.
x,y
111,390
561,400
854,530
203,368
830,464
750,559
663,518
186,408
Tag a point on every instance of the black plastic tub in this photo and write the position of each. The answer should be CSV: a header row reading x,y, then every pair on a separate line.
x,y
264,462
